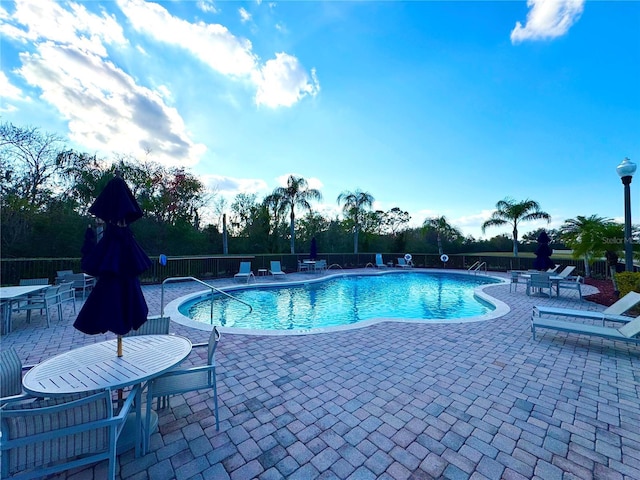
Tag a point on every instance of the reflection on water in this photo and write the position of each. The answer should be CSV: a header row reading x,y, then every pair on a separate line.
x,y
346,300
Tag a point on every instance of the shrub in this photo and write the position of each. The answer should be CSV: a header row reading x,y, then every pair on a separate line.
x,y
627,282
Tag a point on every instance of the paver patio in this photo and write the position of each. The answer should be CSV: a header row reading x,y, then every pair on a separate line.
x,y
394,400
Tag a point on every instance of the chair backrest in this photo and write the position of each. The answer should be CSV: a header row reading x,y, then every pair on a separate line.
x,y
10,372
566,271
51,293
540,280
379,259
214,338
553,269
275,266
401,261
631,329
627,302
515,276
33,281
63,273
66,290
245,267
321,264
155,325
42,432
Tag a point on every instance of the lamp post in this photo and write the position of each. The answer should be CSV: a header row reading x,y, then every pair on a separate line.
x,y
625,170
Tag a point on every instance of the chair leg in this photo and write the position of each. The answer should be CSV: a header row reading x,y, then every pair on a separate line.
x,y
215,403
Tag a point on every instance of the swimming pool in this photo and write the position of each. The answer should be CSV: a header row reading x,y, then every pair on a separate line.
x,y
345,301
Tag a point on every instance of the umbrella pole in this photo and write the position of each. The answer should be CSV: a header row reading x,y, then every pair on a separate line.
x,y
119,345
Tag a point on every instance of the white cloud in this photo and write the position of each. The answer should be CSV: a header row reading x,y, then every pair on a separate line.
x,y
244,15
280,82
7,90
207,6
229,186
283,81
547,19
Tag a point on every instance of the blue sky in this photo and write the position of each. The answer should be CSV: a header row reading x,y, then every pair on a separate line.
x,y
438,108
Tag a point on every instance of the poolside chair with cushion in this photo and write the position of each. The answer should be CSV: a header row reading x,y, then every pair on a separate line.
x,y
379,262
539,281
180,381
244,272
155,325
627,333
41,437
276,269
612,313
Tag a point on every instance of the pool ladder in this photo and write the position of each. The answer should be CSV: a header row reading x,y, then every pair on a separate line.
x,y
193,279
478,266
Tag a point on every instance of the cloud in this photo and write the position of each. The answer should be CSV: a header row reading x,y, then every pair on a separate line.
x,y
7,90
244,15
65,58
230,187
282,82
279,82
547,19
207,6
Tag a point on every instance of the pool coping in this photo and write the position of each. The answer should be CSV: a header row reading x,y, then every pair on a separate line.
x,y
500,308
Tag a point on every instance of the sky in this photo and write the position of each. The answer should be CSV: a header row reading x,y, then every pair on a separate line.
x,y
437,108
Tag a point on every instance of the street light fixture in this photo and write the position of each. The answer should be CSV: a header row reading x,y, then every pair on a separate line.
x,y
625,170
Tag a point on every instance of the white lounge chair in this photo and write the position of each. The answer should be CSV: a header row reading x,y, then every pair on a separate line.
x,y
612,313
276,269
553,269
627,333
379,262
566,271
244,272
403,263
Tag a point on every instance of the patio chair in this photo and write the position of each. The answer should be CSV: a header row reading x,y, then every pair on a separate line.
x,y
244,272
276,269
539,281
515,278
321,266
303,267
575,284
566,271
60,274
66,293
613,313
402,263
10,375
81,282
33,281
181,381
155,325
41,437
627,333
379,262
44,300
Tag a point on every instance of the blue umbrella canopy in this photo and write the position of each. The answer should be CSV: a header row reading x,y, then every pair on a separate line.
x,y
116,303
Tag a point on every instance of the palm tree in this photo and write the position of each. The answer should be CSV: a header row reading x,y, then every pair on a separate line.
x,y
510,212
443,229
296,194
590,237
353,206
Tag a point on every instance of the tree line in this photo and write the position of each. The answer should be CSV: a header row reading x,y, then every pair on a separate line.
x,y
48,188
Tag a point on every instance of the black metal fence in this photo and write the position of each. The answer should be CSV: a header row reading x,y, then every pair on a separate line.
x,y
218,266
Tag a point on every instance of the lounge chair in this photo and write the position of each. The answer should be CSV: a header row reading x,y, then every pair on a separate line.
x,y
275,269
612,313
626,333
566,271
553,269
244,272
403,263
379,262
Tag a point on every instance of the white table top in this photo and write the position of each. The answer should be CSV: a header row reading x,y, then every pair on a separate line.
x,y
97,366
8,293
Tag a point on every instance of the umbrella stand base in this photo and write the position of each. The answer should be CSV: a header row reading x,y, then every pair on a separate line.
x,y
127,438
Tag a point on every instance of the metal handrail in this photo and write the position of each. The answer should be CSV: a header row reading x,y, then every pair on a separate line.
x,y
181,279
474,266
477,266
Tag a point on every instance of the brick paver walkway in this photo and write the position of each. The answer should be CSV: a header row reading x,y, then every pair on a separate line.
x,y
393,400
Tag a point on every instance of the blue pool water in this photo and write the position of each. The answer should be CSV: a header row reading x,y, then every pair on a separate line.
x,y
344,300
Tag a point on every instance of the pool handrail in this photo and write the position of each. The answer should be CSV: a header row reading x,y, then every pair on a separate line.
x,y
182,279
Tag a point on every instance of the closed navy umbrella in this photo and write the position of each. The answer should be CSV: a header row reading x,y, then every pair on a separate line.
x,y
89,242
313,249
116,303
